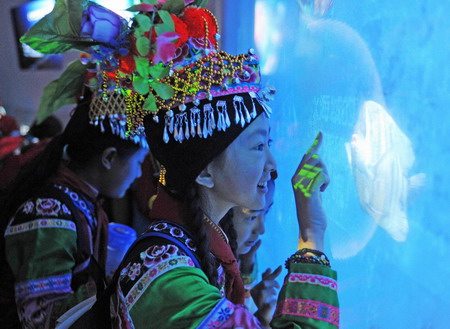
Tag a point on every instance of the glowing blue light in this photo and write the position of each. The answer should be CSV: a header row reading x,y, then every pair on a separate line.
x,y
119,6
38,9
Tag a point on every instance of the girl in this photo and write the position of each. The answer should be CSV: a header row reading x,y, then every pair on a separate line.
x,y
247,225
53,204
207,122
161,283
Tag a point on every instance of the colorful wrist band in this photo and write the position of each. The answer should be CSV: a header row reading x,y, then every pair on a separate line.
x,y
308,256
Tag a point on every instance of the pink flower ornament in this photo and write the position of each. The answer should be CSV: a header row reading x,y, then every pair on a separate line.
x,y
165,47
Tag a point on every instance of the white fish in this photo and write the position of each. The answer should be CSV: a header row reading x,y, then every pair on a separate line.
x,y
380,155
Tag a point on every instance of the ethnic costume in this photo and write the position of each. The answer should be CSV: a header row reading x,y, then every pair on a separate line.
x,y
165,73
51,269
163,288
41,240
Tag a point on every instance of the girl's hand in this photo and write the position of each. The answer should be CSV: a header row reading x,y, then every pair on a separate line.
x,y
265,295
310,179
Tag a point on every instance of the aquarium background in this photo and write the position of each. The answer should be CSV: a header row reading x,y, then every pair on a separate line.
x,y
325,66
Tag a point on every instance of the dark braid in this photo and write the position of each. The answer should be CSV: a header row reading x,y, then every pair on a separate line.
x,y
228,227
197,227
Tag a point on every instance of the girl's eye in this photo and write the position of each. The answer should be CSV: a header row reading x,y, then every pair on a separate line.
x,y
251,219
260,147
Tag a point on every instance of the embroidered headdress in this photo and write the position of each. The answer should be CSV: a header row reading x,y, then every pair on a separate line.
x,y
162,64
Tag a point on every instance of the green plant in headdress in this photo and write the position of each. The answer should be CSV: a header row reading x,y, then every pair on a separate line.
x,y
118,50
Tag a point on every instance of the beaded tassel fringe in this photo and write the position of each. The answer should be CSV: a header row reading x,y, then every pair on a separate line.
x,y
203,121
114,106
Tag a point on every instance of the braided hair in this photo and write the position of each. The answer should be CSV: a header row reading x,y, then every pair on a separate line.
x,y
228,227
194,214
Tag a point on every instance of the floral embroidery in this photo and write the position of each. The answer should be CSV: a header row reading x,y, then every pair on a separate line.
x,y
134,271
224,313
28,207
148,277
125,270
65,210
309,309
73,196
220,313
123,320
190,244
176,232
40,224
55,284
313,279
159,227
156,254
82,204
47,207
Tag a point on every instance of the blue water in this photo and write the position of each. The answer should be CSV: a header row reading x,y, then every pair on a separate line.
x,y
395,53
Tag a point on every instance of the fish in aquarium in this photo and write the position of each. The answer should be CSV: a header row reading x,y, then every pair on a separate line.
x,y
380,156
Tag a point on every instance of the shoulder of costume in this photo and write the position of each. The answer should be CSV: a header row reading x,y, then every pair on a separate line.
x,y
166,233
51,202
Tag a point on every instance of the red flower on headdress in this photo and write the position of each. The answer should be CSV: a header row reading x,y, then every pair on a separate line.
x,y
111,75
197,19
127,64
182,30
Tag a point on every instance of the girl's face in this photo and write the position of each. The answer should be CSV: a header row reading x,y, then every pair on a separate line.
x,y
240,174
249,224
124,172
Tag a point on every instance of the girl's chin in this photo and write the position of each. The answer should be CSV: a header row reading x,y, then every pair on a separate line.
x,y
243,250
257,203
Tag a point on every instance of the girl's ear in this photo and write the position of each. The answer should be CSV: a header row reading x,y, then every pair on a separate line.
x,y
205,178
109,155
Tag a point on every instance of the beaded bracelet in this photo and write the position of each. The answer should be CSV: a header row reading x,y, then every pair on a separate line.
x,y
308,256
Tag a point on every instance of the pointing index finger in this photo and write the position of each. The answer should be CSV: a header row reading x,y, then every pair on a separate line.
x,y
316,144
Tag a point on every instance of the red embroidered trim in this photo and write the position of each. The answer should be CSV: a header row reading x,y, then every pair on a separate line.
x,y
309,309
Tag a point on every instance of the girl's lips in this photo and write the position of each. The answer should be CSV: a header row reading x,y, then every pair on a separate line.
x,y
262,189
249,243
262,185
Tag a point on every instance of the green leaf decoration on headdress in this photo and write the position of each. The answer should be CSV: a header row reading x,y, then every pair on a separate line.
x,y
164,91
200,3
150,103
59,31
150,2
141,85
167,24
175,7
63,91
159,71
